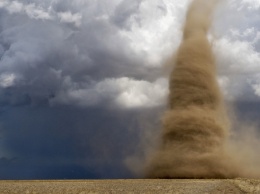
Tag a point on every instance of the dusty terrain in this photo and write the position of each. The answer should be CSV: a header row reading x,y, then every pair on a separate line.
x,y
175,186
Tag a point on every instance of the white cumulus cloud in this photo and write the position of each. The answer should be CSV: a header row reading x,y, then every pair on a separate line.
x,y
123,92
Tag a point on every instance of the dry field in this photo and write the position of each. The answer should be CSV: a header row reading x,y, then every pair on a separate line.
x,y
175,186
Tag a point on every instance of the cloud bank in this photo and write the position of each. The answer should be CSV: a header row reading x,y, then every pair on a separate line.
x,y
87,61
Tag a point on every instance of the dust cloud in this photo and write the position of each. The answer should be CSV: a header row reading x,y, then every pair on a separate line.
x,y
195,128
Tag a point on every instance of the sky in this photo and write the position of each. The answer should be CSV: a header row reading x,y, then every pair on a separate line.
x,y
83,83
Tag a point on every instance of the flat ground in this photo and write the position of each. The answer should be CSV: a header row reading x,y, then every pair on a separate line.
x,y
174,186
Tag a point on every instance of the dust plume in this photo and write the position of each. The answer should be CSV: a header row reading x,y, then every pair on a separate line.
x,y
195,127
244,147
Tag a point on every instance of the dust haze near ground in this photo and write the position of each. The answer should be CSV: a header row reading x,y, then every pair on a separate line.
x,y
195,126
244,146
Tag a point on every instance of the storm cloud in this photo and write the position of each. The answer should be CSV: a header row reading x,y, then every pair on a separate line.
x,y
78,79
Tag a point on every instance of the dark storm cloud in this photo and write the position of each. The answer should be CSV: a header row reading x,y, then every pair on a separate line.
x,y
42,139
48,49
75,76
43,56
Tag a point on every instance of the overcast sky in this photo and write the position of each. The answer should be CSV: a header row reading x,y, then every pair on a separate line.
x,y
82,82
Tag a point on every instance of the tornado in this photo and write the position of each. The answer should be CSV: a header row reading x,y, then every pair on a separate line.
x,y
195,126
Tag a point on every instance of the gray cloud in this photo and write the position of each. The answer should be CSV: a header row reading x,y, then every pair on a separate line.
x,y
75,73
50,54
124,12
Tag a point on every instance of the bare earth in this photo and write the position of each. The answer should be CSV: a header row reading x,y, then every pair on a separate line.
x,y
174,186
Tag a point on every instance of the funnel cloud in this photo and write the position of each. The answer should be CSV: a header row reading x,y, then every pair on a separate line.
x,y
195,127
